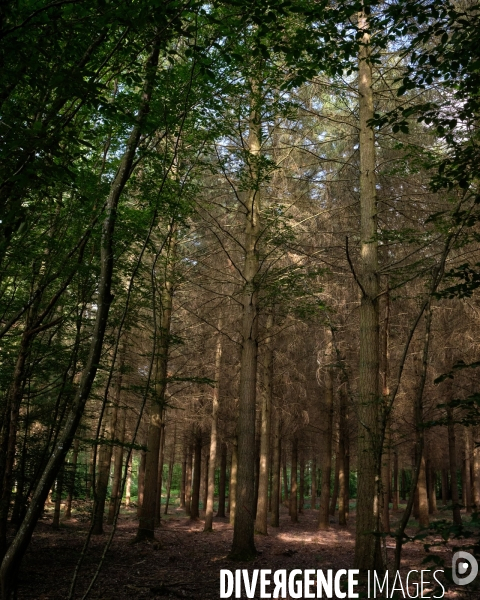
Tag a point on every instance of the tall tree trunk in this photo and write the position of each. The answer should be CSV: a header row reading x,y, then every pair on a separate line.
x,y
243,546
336,485
115,498
197,467
285,477
206,463
343,475
323,515
58,499
73,474
222,481
468,481
161,456
444,487
213,435
313,501
367,543
452,455
104,462
232,497
184,475
476,469
276,484
148,513
264,465
141,481
423,518
395,490
128,486
188,481
301,489
432,492
293,482
11,560
171,466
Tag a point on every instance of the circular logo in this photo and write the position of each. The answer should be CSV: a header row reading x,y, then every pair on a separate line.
x,y
464,568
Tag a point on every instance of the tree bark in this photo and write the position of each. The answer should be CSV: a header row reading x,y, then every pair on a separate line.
x,y
128,486
313,501
148,513
171,465
476,469
432,493
197,467
115,498
188,480
141,481
468,481
323,514
452,456
222,482
264,464
293,482
73,474
58,499
213,435
395,481
243,546
104,462
423,518
232,497
161,455
301,489
276,484
367,543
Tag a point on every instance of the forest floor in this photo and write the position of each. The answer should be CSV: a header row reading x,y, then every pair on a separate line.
x,y
185,562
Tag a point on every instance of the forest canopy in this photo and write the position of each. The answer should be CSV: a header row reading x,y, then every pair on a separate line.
x,y
239,272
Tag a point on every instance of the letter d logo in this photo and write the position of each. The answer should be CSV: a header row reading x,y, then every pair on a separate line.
x,y
468,562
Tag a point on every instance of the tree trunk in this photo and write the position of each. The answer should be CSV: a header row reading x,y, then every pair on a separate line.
x,y
367,543
184,476
444,487
213,435
313,501
468,481
104,462
141,481
264,464
115,498
14,554
206,463
58,499
188,480
476,469
73,474
336,477
395,481
197,466
170,468
432,492
128,486
423,519
293,482
285,477
243,546
222,482
452,455
301,490
161,456
276,484
149,514
323,515
232,497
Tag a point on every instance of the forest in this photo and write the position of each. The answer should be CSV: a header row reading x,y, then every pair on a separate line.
x,y
239,292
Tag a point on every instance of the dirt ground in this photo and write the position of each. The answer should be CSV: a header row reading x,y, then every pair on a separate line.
x,y
185,562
